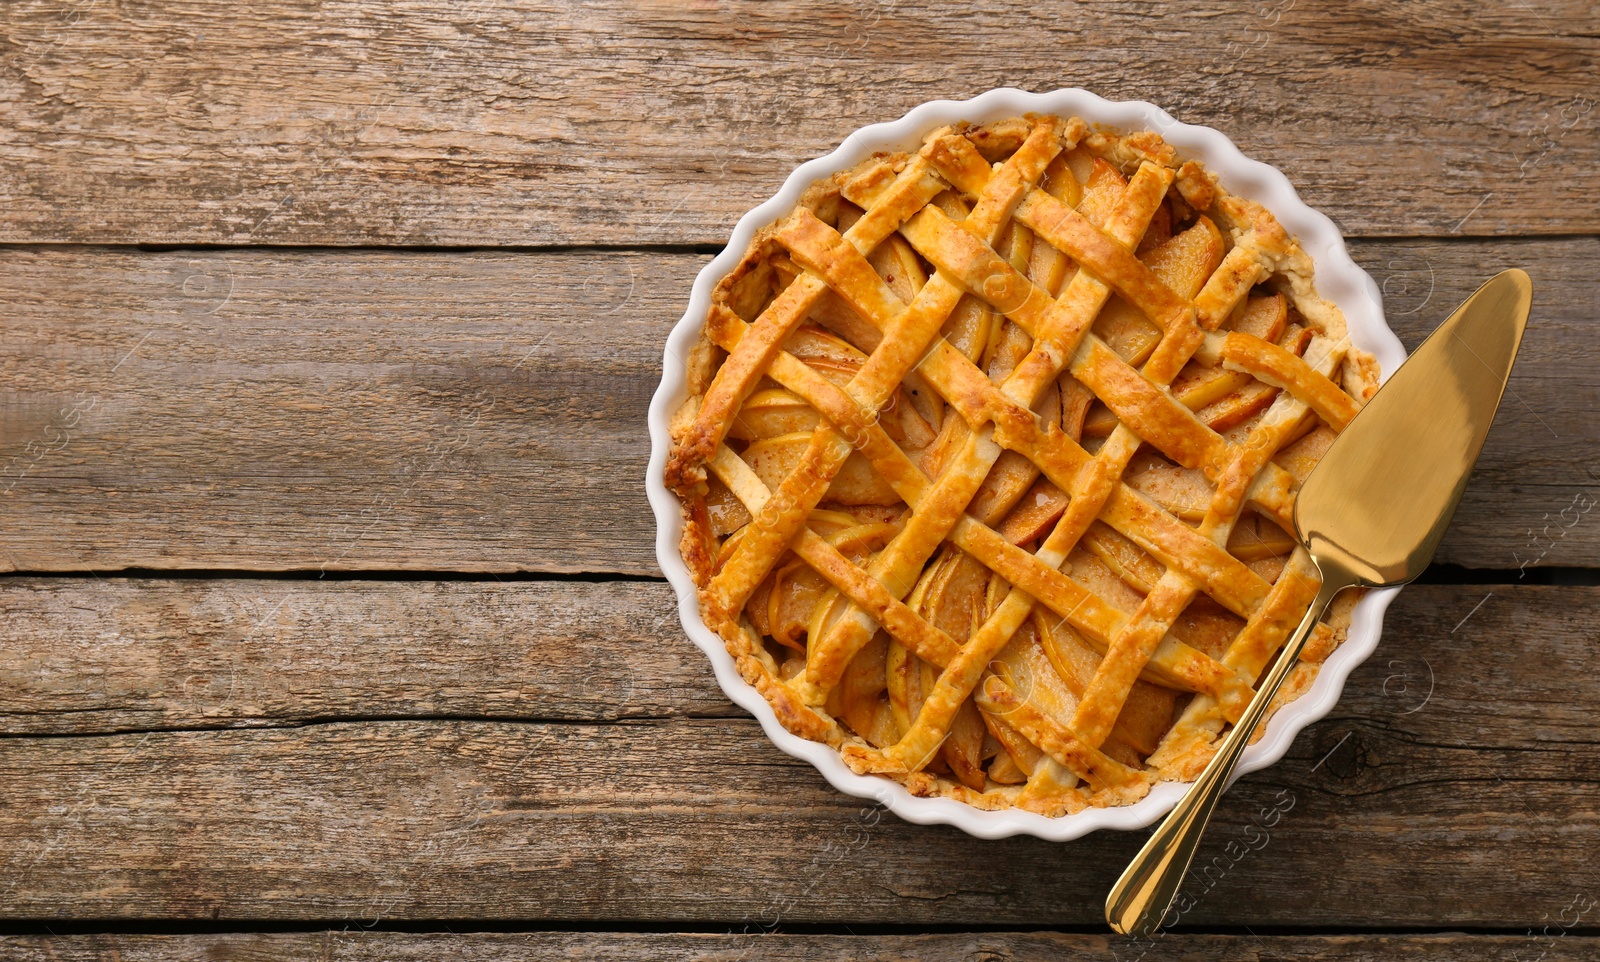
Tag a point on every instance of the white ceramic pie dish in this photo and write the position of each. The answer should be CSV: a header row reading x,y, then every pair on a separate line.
x,y
1337,278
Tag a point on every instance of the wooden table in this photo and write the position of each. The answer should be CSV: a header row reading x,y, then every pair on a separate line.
x,y
333,627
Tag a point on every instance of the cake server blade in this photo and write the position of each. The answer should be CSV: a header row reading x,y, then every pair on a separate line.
x,y
1371,514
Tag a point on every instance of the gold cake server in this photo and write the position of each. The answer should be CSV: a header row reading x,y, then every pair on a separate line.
x,y
1371,514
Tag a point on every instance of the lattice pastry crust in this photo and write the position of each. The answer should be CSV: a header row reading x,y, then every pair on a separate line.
x,y
990,454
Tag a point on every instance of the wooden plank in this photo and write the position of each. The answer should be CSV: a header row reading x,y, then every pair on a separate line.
x,y
1465,745
286,411
357,946
1529,503
484,411
539,123
92,655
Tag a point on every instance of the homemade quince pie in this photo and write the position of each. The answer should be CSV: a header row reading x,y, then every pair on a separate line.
x,y
991,455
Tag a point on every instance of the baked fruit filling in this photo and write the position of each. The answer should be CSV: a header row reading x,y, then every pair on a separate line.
x,y
989,462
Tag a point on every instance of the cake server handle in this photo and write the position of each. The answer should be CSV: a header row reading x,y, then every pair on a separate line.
x,y
1141,897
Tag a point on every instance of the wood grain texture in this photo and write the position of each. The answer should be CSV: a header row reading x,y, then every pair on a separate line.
x,y
281,410
357,946
354,753
485,411
91,655
1465,745
544,123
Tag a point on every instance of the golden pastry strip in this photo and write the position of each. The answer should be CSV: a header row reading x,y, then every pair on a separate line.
x,y
1157,417
1089,493
1273,365
1161,420
735,378
1180,666
927,641
1137,640
1188,746
899,563
1055,740
954,489
1139,401
907,335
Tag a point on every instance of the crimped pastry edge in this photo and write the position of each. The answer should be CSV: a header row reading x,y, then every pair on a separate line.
x,y
1296,266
